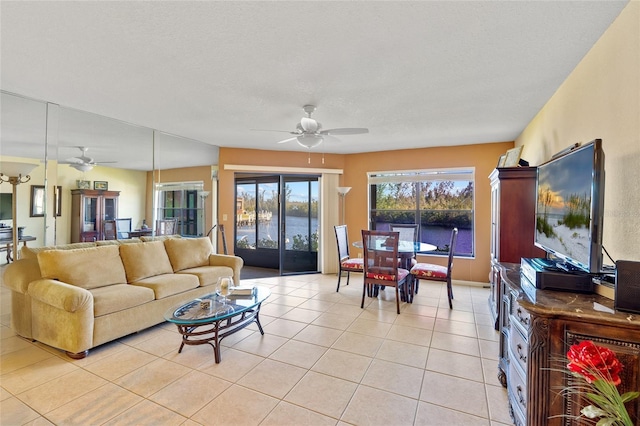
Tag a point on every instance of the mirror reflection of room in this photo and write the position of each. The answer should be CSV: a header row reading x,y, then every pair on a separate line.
x,y
89,169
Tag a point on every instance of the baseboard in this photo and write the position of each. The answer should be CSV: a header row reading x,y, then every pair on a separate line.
x,y
470,283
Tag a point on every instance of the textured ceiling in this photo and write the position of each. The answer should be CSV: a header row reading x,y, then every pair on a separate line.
x,y
416,74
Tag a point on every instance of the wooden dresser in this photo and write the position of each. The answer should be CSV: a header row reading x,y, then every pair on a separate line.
x,y
534,340
513,197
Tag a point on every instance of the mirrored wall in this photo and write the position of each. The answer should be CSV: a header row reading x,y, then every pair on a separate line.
x,y
74,150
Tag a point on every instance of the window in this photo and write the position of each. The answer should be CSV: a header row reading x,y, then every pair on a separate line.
x,y
183,201
438,200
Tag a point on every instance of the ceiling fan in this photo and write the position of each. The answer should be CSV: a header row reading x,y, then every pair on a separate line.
x,y
308,131
83,162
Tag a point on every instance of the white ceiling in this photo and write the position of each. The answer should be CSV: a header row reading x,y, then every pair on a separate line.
x,y
417,74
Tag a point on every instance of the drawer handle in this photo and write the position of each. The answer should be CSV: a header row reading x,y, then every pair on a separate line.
x,y
524,320
521,397
522,356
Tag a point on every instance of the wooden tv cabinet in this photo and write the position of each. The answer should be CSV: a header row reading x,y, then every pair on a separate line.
x,y
534,340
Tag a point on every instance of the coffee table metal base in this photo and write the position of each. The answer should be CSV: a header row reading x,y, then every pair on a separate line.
x,y
213,332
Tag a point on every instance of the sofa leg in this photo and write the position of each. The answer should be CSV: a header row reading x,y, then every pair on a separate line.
x,y
79,355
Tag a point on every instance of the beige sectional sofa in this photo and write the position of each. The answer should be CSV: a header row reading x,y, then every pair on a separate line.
x,y
79,296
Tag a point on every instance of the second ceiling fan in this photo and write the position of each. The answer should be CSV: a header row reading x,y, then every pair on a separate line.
x,y
83,163
309,133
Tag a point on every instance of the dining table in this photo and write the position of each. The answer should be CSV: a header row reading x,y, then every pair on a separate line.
x,y
6,244
406,251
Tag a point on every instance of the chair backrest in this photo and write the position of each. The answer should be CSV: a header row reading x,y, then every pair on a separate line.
x,y
408,231
123,227
452,247
342,239
109,230
380,252
166,226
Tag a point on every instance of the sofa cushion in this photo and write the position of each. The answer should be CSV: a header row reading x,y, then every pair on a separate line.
x,y
188,252
32,252
144,260
168,284
86,267
118,297
208,275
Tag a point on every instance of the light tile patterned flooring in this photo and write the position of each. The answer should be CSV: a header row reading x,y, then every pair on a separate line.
x,y
322,361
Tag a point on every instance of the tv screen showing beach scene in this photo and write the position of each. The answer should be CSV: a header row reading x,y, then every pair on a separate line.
x,y
568,210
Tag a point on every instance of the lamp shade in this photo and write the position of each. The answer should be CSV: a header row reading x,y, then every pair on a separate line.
x,y
342,190
15,169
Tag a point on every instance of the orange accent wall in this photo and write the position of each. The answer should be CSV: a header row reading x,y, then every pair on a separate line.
x,y
483,157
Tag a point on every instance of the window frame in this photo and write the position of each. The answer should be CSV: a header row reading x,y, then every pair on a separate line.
x,y
460,174
189,191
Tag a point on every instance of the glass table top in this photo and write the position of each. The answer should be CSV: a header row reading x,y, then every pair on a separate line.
x,y
213,307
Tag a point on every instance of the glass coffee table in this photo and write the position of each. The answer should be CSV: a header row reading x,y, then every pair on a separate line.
x,y
211,318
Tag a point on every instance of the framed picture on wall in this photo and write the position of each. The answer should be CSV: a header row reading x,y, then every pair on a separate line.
x,y
38,197
37,201
57,201
83,184
101,184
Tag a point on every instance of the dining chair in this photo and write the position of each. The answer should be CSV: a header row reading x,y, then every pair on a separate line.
x,y
166,226
432,272
123,228
381,264
345,262
408,232
109,230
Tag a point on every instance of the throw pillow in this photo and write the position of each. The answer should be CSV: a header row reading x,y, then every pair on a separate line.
x,y
86,267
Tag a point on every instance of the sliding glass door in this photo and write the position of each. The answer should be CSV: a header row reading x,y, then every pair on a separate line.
x,y
300,225
277,222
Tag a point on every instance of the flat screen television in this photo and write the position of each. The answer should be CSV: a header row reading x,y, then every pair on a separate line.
x,y
5,206
570,207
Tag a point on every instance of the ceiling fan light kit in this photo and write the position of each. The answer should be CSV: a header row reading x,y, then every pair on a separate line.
x,y
309,135
309,140
82,167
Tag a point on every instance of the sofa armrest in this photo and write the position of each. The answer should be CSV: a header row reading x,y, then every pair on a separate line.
x,y
233,262
20,273
60,295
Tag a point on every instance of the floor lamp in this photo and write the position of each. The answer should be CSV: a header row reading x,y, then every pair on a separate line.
x,y
342,191
15,174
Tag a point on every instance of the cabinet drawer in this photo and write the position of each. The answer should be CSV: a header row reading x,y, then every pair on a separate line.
x,y
518,350
520,316
517,389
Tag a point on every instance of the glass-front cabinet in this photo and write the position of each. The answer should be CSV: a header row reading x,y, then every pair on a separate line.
x,y
89,210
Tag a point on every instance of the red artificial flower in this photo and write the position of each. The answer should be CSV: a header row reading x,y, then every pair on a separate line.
x,y
594,362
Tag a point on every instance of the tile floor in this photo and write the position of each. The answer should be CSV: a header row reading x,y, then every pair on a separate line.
x,y
322,361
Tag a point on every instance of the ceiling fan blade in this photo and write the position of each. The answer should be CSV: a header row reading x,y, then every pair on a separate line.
x,y
331,139
103,162
289,140
271,130
345,131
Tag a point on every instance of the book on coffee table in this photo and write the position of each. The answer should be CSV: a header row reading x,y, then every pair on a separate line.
x,y
243,291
